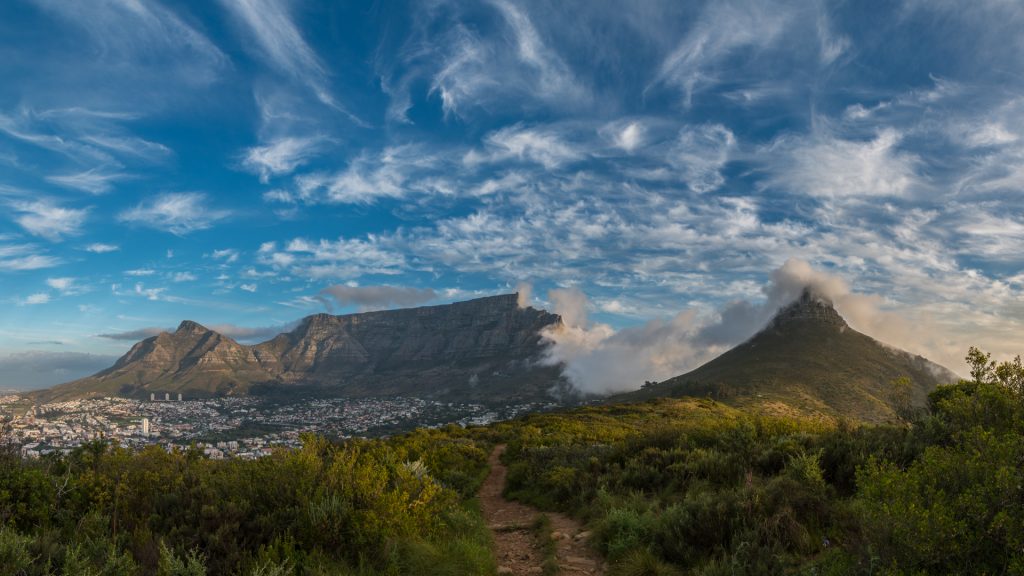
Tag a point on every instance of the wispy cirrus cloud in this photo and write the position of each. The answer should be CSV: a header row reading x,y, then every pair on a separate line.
x,y
469,70
281,156
21,257
48,220
93,181
101,248
144,34
177,213
343,259
283,47
546,147
67,286
35,299
722,30
827,165
393,172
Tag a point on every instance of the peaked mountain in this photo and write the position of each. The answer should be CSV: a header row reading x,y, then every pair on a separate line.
x,y
486,350
809,361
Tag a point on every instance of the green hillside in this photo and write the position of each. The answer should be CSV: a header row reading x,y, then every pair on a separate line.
x,y
809,362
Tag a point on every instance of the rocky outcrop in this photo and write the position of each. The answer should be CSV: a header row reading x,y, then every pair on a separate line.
x,y
809,307
484,349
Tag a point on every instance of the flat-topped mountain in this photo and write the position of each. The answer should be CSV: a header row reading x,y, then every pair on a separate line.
x,y
808,360
486,349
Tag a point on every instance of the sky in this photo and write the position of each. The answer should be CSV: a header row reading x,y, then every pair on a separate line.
x,y
653,164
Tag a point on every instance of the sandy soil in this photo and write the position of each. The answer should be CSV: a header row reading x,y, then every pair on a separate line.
x,y
515,546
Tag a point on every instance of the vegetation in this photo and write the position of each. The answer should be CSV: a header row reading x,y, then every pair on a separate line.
x,y
401,506
669,487
691,486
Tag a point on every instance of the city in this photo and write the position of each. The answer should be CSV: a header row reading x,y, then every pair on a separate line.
x,y
230,427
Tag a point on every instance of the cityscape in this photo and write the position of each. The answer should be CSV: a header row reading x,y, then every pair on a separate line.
x,y
228,427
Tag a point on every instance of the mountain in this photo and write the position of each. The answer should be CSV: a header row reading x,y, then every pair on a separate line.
x,y
808,361
481,350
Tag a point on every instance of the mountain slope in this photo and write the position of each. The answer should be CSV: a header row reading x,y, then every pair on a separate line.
x,y
809,361
484,350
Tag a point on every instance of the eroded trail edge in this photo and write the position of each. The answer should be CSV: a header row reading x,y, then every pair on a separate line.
x,y
512,525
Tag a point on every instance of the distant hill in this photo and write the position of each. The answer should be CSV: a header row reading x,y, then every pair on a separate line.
x,y
807,361
483,350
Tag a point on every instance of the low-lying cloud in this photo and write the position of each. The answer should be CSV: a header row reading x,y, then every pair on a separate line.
x,y
374,297
133,335
601,360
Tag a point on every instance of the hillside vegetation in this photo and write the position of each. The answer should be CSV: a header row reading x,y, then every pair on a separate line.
x,y
672,486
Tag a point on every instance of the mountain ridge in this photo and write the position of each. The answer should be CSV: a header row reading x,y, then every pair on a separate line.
x,y
808,360
466,350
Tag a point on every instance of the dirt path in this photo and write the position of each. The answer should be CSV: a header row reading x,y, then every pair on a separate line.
x,y
515,545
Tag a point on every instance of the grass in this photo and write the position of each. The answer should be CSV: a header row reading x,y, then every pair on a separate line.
x,y
548,546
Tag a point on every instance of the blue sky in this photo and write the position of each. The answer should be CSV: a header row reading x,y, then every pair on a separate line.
x,y
244,163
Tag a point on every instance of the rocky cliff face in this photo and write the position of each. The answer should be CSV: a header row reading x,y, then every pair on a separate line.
x,y
485,349
809,307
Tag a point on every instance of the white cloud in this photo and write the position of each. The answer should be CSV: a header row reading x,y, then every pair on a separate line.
x,y
470,70
20,257
830,167
153,294
542,146
179,214
281,156
140,272
700,154
832,45
45,219
721,30
63,285
93,181
34,299
602,360
343,258
32,262
227,255
394,172
144,34
630,136
248,287
554,79
184,277
100,248
280,41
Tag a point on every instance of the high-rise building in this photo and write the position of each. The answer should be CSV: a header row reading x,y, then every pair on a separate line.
x,y
145,426
179,396
152,396
167,396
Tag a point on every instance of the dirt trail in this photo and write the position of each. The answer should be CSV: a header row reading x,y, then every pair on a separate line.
x,y
515,546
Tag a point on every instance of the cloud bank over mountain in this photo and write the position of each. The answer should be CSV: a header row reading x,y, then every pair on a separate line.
x,y
600,359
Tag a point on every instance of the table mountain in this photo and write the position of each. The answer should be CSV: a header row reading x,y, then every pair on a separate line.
x,y
488,349
809,361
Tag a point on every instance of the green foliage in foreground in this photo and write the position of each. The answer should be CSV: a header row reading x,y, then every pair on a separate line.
x,y
694,487
671,487
398,506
